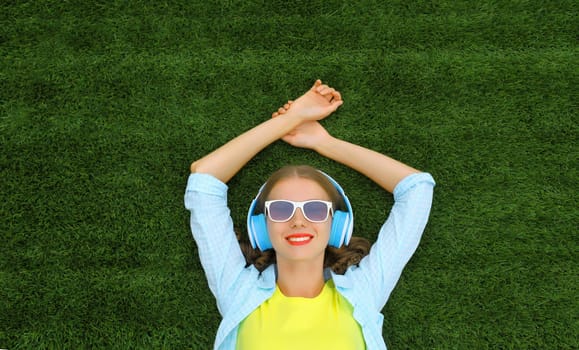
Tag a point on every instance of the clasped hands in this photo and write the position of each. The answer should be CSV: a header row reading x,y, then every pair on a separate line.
x,y
316,104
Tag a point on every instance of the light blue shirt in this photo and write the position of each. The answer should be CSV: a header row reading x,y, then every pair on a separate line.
x,y
239,290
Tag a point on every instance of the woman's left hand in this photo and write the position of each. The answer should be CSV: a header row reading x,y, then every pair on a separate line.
x,y
308,134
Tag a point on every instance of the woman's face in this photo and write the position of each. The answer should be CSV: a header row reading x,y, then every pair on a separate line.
x,y
298,239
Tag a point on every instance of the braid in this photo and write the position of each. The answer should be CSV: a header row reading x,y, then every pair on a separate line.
x,y
339,259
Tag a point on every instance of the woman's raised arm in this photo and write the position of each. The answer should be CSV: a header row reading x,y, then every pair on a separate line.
x,y
383,170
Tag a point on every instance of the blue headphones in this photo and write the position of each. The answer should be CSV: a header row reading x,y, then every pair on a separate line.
x,y
340,233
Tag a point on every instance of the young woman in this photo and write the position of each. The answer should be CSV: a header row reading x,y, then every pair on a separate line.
x,y
306,285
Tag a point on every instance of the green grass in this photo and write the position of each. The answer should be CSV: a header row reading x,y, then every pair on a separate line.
x,y
103,106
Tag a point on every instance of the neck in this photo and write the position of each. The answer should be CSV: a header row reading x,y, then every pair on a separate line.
x,y
301,279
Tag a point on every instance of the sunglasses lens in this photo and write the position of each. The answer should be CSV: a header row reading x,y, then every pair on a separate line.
x,y
281,210
316,211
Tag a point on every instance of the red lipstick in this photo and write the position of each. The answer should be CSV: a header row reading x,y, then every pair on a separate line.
x,y
298,239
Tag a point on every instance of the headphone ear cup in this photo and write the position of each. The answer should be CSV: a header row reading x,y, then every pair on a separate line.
x,y
257,229
341,229
342,221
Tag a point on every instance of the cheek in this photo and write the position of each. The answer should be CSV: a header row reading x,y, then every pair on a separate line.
x,y
274,229
324,229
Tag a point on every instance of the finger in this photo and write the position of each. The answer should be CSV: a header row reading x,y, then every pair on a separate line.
x,y
317,83
337,104
334,105
274,114
327,92
321,87
324,89
281,110
336,95
286,106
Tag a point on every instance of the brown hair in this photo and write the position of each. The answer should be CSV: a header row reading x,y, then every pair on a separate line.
x,y
337,259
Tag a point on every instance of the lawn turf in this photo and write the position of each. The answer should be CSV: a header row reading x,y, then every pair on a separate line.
x,y
103,105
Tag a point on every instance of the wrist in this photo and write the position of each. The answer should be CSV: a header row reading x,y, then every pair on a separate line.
x,y
286,122
325,145
294,116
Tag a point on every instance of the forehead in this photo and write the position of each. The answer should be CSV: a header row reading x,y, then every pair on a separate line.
x,y
298,189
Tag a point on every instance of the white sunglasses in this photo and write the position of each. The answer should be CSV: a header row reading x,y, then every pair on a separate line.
x,y
282,210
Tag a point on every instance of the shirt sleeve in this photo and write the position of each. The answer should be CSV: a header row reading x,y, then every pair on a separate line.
x,y
212,228
399,236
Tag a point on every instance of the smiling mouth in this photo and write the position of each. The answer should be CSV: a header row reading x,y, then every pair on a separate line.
x,y
299,239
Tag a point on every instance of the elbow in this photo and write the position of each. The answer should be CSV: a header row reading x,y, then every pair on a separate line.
x,y
200,167
193,167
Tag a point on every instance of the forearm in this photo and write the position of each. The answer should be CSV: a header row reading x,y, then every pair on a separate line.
x,y
227,160
383,170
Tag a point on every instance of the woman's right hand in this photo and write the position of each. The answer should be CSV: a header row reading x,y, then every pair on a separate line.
x,y
317,103
309,134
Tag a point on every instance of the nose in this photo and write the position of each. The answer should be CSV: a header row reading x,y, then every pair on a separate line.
x,y
298,219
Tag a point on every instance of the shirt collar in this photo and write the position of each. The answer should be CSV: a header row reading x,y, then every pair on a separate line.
x,y
267,277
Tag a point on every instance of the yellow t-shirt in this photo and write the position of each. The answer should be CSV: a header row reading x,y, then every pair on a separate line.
x,y
323,322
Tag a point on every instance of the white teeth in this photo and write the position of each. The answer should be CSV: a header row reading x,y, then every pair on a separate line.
x,y
298,239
